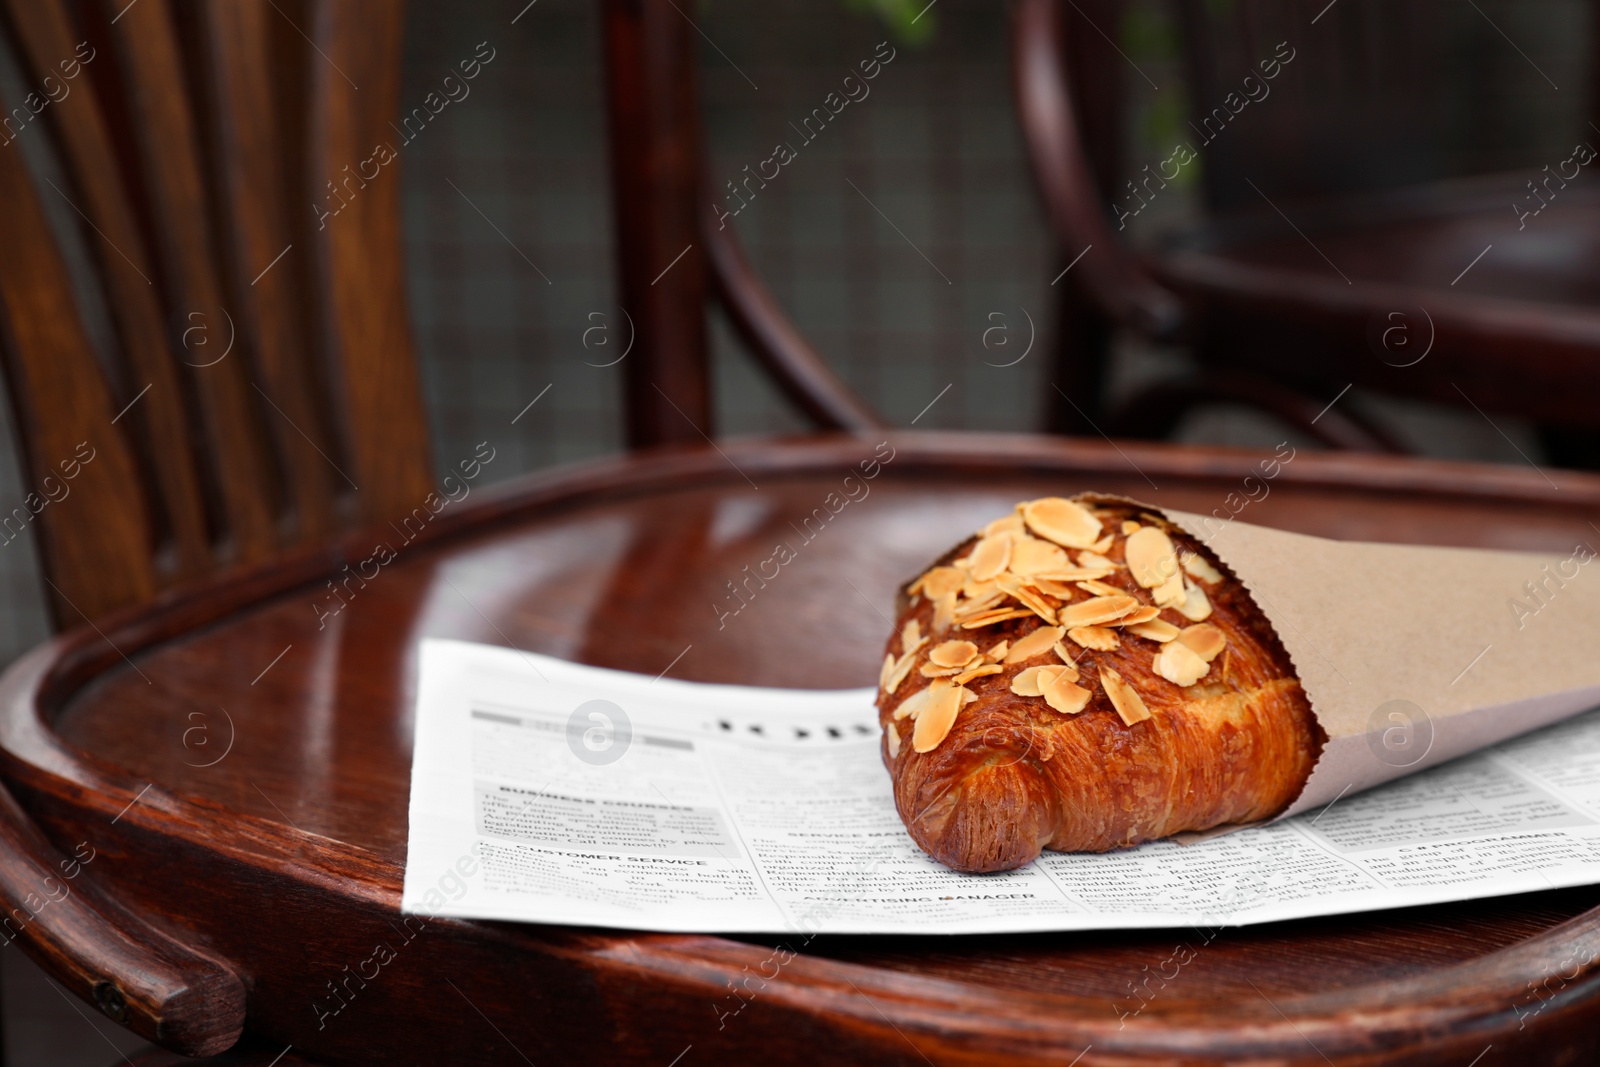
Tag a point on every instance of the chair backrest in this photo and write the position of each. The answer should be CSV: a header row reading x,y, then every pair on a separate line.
x,y
239,221
1367,94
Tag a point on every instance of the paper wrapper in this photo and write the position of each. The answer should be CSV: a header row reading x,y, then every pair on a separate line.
x,y
1413,655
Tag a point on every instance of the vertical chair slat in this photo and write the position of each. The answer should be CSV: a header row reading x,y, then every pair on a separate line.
x,y
265,254
360,265
165,134
82,493
47,41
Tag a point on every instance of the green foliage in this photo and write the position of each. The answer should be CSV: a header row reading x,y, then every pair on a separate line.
x,y
910,22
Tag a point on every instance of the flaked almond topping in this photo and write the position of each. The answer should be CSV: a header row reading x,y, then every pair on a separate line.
x,y
936,718
1180,664
968,608
1123,696
992,617
990,556
976,590
1097,610
980,671
929,670
1051,587
953,653
1196,606
1172,592
1025,683
944,613
998,653
910,636
1097,588
1155,630
1098,638
912,705
1200,567
902,668
1066,522
1144,614
1029,555
942,580
1150,556
1206,640
1035,643
1128,527
892,733
1037,604
1066,657
1011,523
1095,561
1102,546
888,669
1062,692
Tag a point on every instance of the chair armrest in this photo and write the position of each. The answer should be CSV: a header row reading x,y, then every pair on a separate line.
x,y
1051,129
800,372
136,975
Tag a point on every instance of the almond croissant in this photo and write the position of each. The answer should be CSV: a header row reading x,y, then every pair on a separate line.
x,y
1082,675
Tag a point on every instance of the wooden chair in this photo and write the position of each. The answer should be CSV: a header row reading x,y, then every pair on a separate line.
x,y
212,569
1331,254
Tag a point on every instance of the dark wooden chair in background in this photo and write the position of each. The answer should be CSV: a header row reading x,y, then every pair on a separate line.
x,y
1330,254
223,889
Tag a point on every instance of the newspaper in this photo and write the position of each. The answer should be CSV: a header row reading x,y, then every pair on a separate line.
x,y
551,792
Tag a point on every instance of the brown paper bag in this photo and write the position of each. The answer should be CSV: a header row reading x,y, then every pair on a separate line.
x,y
1413,655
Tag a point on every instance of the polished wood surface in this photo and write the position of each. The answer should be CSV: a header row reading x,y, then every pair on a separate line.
x,y
622,565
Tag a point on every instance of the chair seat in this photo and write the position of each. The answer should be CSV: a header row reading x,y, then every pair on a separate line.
x,y
260,746
1367,288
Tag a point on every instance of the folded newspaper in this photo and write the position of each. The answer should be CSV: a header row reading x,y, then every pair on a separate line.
x,y
552,792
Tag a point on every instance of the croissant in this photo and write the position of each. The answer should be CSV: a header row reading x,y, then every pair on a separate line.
x,y
1083,675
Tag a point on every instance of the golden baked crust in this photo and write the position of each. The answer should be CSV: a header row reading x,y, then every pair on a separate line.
x,y
985,776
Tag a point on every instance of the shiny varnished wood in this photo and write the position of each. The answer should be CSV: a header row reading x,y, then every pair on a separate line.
x,y
623,565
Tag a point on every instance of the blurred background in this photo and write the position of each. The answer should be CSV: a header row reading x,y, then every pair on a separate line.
x,y
906,240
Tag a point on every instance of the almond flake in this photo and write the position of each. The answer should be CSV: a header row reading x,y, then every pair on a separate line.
x,y
993,617
1128,527
910,636
1061,692
1095,561
929,670
1123,696
912,705
1066,522
1200,567
976,590
1035,643
935,720
1097,610
998,652
1029,555
1155,630
1037,604
1172,592
1150,556
1066,657
953,653
1012,523
1196,606
942,580
1180,664
1144,614
1051,587
1206,640
1101,588
1102,546
892,733
902,668
968,608
944,613
888,669
990,556
1025,683
1096,637
980,671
